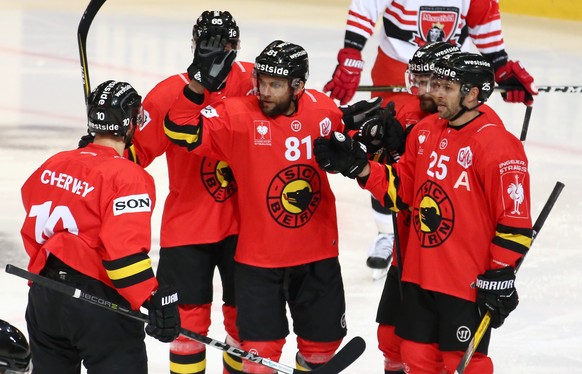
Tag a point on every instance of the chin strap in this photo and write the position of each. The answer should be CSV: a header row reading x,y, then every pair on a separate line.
x,y
464,109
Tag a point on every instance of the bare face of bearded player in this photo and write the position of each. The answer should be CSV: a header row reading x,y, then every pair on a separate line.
x,y
275,96
447,95
426,100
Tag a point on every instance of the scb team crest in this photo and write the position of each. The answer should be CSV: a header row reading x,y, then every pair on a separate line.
x,y
433,218
293,195
218,179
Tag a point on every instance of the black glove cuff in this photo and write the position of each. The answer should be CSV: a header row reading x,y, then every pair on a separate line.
x,y
194,97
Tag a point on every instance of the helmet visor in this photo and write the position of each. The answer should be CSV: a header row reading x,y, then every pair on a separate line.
x,y
417,84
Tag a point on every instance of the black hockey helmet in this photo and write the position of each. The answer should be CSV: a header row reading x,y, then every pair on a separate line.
x,y
468,69
14,350
213,21
421,65
284,60
112,106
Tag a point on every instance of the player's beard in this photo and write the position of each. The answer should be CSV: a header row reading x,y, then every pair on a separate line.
x,y
276,108
427,104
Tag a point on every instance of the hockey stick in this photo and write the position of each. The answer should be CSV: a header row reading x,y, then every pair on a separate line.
x,y
342,359
82,32
548,89
484,325
398,252
525,125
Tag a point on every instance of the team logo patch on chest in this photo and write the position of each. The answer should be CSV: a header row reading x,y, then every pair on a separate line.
x,y
436,24
218,179
293,195
434,217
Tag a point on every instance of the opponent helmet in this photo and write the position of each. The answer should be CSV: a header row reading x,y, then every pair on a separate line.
x,y
112,106
213,21
470,70
14,350
284,60
421,65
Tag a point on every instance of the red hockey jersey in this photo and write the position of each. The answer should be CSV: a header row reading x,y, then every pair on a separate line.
x,y
468,189
287,208
92,209
201,205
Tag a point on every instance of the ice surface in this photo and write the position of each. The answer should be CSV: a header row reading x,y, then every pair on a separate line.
x,y
42,112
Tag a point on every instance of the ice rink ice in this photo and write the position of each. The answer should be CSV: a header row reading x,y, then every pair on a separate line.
x,y
142,42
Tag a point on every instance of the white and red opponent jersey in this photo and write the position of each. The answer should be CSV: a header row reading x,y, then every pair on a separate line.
x,y
92,209
287,209
468,189
201,206
410,24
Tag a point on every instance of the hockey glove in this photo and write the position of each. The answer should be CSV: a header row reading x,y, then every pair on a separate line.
x,y
381,129
340,154
496,293
346,76
354,115
517,82
212,62
164,317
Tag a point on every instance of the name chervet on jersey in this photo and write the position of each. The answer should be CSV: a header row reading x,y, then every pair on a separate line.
x,y
66,182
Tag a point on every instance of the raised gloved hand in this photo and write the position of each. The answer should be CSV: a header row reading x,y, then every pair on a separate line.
x,y
346,76
383,129
519,84
164,317
354,115
212,62
496,293
340,154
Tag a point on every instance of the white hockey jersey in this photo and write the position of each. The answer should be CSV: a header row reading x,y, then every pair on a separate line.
x,y
410,24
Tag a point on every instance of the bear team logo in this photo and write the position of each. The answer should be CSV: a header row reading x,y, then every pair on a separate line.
x,y
434,218
218,179
293,195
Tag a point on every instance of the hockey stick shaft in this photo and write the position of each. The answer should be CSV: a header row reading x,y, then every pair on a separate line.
x,y
484,325
82,32
343,358
525,125
547,89
398,251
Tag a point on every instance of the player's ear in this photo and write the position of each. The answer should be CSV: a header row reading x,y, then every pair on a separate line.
x,y
299,88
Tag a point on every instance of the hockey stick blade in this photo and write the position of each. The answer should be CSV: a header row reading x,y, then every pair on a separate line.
x,y
82,32
344,357
545,89
484,325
